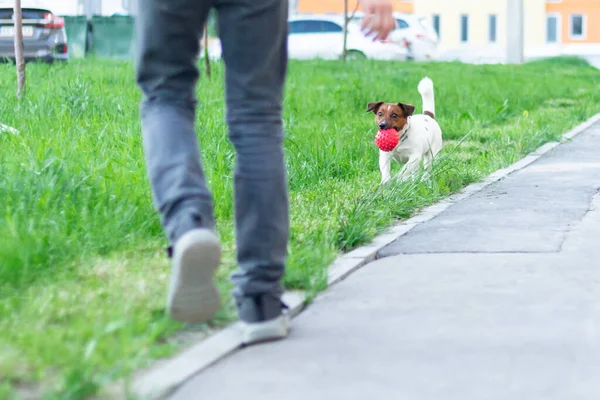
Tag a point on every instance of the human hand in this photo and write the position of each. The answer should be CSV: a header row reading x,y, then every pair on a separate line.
x,y
378,18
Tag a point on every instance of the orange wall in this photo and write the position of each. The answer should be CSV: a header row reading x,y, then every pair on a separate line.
x,y
337,6
589,8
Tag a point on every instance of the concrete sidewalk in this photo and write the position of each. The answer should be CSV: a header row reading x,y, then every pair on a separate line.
x,y
496,298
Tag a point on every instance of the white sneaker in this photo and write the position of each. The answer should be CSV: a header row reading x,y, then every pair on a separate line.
x,y
193,296
263,318
265,331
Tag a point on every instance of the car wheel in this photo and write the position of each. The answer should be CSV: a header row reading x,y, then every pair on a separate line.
x,y
355,55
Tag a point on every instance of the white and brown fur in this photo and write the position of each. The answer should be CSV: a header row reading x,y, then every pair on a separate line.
x,y
420,134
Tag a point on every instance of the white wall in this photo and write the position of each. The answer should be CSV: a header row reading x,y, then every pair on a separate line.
x,y
479,11
535,22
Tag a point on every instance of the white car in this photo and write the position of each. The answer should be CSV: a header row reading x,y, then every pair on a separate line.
x,y
423,40
321,36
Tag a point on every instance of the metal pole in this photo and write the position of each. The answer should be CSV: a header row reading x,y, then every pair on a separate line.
x,y
514,32
19,48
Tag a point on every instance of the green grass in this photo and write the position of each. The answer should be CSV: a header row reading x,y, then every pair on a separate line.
x,y
83,275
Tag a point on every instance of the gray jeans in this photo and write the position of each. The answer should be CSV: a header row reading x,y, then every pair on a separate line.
x,y
253,34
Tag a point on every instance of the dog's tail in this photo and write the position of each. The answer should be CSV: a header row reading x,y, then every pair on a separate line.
x,y
426,89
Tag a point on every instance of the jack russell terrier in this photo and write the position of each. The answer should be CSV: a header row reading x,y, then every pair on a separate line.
x,y
420,135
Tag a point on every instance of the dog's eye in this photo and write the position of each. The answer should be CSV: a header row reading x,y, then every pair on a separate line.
x,y
394,116
380,113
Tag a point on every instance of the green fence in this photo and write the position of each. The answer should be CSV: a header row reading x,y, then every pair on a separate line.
x,y
113,37
76,28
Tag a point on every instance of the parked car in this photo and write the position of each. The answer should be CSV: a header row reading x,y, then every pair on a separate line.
x,y
321,36
423,40
44,35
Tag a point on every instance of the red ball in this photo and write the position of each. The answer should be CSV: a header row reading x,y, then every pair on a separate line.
x,y
387,140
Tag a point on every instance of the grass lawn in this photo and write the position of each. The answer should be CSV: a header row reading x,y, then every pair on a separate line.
x,y
83,275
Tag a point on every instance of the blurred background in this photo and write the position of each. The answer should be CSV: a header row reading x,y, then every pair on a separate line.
x,y
470,31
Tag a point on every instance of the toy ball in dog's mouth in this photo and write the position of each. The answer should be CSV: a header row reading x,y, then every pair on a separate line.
x,y
387,139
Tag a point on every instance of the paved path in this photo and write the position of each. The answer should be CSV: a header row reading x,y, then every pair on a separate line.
x,y
593,60
496,298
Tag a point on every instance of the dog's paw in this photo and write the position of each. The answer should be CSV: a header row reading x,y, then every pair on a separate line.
x,y
385,181
403,177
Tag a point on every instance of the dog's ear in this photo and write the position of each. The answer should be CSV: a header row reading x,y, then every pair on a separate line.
x,y
407,109
373,107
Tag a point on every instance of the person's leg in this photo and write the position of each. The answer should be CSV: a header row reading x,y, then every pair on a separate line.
x,y
254,40
168,32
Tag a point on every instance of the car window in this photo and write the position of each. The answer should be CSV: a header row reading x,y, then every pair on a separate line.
x,y
328,26
296,27
402,24
28,13
34,13
313,26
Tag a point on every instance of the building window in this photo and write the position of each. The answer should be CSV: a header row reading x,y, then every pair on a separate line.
x,y
313,26
577,26
552,28
436,23
464,28
492,33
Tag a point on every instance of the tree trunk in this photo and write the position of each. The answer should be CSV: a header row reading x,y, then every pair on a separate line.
x,y
347,19
19,48
345,33
205,45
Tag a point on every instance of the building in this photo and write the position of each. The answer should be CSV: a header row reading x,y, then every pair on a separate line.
x,y
475,30
573,21
479,23
337,6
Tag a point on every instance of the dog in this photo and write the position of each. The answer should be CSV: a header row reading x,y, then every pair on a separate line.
x,y
420,134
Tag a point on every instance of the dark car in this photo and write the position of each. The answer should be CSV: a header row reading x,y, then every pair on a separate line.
x,y
44,35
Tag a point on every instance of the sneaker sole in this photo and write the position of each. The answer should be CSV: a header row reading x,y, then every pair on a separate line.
x,y
266,331
193,297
